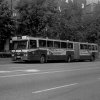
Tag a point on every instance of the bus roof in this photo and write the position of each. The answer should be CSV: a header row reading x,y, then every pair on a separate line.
x,y
17,38
36,38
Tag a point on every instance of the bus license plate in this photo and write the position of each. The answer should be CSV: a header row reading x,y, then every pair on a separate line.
x,y
18,57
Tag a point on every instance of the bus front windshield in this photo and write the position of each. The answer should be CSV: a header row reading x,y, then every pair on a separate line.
x,y
17,45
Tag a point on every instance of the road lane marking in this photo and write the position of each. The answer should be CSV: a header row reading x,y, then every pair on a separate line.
x,y
28,70
46,72
36,73
4,71
45,90
32,70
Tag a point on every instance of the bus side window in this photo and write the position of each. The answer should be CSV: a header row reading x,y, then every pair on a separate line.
x,y
32,44
81,46
85,46
89,47
93,48
96,47
49,43
56,44
63,45
70,45
42,43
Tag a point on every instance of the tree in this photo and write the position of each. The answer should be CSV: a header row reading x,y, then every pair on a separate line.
x,y
70,21
91,26
6,23
43,18
38,18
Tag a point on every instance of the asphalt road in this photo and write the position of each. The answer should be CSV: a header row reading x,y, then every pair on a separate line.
x,y
50,81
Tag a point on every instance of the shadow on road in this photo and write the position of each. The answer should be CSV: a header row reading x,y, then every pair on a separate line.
x,y
49,62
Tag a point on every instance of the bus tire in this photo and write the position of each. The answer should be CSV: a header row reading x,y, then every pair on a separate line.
x,y
92,58
42,59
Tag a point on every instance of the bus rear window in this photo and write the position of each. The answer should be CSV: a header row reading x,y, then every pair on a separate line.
x,y
33,44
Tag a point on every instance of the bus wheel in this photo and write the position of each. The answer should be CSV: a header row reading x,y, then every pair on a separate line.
x,y
69,59
42,59
92,58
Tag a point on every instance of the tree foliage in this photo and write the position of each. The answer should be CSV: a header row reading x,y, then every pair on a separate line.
x,y
91,26
43,18
38,19
6,23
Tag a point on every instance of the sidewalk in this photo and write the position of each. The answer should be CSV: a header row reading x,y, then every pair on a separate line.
x,y
5,54
5,60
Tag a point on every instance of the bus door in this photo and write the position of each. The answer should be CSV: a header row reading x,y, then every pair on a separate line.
x,y
57,51
76,50
32,49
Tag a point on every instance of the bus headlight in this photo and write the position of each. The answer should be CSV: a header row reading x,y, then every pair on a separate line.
x,y
12,55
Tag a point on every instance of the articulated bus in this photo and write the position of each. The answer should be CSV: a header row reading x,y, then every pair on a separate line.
x,y
26,48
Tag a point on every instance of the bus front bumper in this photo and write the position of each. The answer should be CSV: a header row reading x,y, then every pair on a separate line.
x,y
19,58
